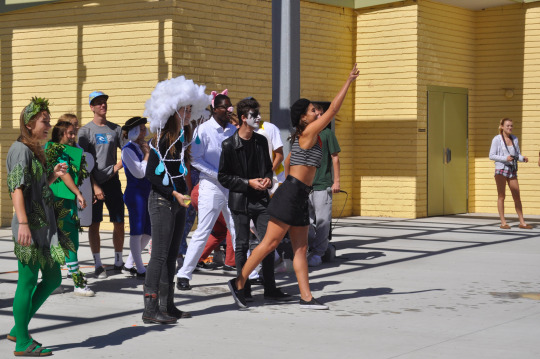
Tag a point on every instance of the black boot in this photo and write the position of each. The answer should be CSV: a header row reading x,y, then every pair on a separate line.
x,y
166,301
151,313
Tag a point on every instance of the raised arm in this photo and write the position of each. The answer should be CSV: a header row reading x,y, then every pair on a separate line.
x,y
317,126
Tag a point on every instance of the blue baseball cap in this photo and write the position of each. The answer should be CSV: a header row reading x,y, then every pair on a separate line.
x,y
95,95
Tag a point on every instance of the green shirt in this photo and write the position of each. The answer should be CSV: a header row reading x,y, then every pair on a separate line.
x,y
323,176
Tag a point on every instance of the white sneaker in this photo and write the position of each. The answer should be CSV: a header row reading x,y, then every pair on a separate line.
x,y
314,260
84,292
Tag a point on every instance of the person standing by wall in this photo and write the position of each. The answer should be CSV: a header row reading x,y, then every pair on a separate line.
x,y
102,139
288,208
325,184
169,109
135,159
57,151
39,246
506,154
213,197
245,169
85,214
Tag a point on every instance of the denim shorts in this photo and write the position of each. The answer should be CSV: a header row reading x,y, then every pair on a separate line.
x,y
113,200
290,203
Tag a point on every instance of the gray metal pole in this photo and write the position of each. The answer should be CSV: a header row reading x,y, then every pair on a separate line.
x,y
285,64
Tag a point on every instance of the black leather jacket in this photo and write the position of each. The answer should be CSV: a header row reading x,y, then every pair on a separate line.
x,y
233,168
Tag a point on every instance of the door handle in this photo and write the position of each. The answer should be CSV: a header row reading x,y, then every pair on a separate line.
x,y
447,156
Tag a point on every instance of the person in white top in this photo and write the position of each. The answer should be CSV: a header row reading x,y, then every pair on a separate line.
x,y
275,147
213,197
135,159
506,154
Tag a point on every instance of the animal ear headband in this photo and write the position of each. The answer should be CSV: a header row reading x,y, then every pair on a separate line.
x,y
214,94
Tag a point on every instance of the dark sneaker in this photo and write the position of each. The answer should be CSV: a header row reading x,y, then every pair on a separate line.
x,y
238,295
277,295
207,267
129,271
228,268
119,268
258,280
140,275
100,273
312,304
182,283
248,296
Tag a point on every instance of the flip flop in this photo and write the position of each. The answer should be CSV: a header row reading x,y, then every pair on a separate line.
x,y
33,351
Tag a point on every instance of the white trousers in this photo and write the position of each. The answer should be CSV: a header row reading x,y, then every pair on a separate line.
x,y
213,200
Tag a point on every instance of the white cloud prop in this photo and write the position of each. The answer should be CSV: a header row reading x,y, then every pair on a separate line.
x,y
170,95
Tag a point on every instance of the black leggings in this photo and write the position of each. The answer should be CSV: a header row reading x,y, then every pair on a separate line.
x,y
168,220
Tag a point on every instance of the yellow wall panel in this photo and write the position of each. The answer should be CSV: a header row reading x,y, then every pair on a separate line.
x,y
385,111
69,48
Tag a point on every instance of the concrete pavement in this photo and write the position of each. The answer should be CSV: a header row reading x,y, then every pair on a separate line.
x,y
440,287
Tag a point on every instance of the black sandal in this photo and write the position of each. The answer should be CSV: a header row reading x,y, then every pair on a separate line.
x,y
31,351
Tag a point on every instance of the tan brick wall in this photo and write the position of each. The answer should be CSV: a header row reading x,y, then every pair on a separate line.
x,y
507,57
327,55
446,57
386,111
67,49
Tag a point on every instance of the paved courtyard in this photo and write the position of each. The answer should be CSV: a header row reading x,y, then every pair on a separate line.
x,y
440,287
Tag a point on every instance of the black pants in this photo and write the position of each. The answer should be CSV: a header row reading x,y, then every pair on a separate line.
x,y
168,219
256,212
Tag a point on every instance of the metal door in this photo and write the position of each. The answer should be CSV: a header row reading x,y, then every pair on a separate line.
x,y
447,150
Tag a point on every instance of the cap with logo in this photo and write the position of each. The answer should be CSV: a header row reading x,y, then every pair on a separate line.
x,y
95,95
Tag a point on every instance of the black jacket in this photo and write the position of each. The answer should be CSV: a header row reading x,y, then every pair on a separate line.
x,y
233,169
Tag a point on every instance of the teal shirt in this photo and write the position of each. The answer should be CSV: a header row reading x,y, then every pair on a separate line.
x,y
323,176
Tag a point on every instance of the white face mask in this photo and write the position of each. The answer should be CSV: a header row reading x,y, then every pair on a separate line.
x,y
253,119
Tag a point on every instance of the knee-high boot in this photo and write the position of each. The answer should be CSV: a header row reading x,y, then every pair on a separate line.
x,y
166,301
152,312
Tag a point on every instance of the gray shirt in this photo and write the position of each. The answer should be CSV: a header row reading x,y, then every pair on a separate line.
x,y
101,142
28,174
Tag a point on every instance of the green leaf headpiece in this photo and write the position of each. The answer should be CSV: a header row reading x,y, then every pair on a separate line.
x,y
35,106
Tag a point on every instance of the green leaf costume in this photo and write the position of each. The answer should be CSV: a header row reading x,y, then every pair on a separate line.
x,y
27,173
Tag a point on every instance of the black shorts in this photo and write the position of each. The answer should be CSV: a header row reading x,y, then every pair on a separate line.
x,y
114,200
290,203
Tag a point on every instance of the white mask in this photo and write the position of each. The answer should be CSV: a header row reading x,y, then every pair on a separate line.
x,y
254,119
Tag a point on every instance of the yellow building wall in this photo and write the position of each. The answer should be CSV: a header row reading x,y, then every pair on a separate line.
x,y
507,57
529,174
446,57
386,111
327,36
67,49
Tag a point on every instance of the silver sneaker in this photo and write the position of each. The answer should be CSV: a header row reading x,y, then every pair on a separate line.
x,y
84,292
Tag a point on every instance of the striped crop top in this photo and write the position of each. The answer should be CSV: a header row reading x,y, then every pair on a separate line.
x,y
310,157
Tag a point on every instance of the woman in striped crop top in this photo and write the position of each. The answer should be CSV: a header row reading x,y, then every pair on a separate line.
x,y
288,208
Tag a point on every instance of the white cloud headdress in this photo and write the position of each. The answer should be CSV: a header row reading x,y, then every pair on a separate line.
x,y
170,95
166,99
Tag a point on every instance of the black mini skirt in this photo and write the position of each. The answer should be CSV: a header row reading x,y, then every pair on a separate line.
x,y
290,203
